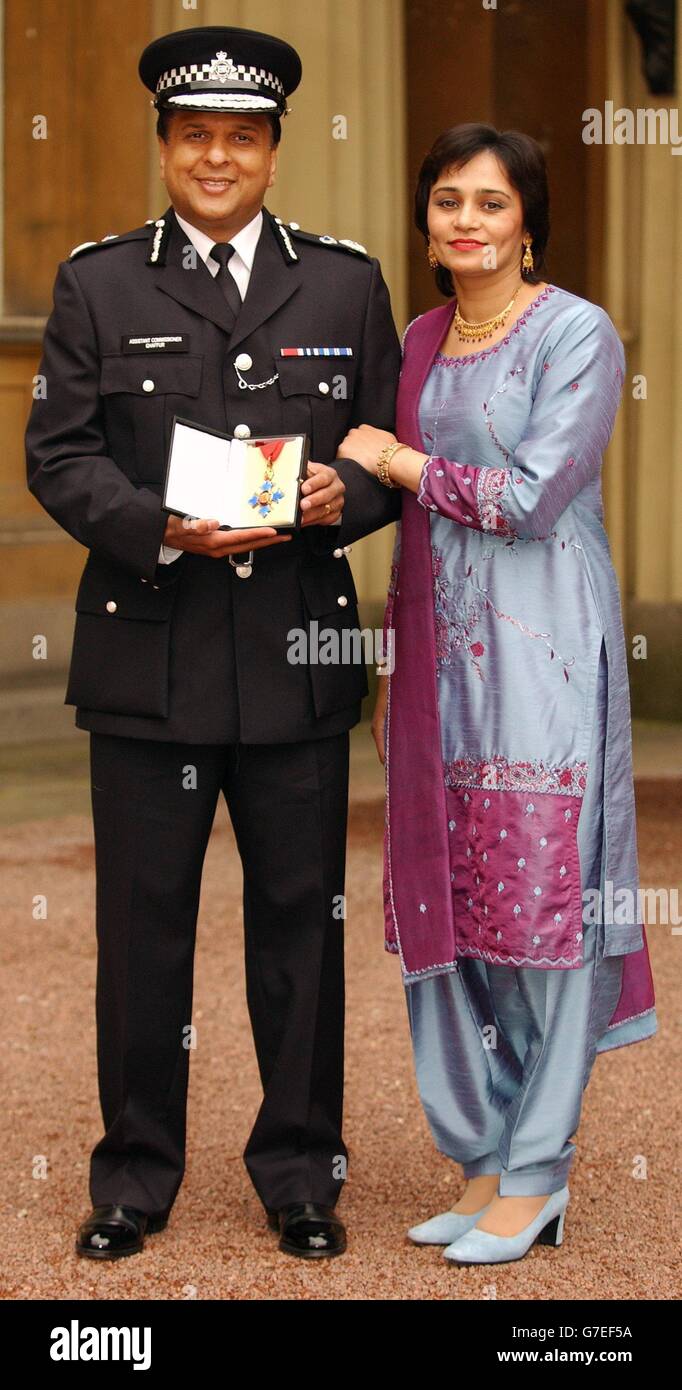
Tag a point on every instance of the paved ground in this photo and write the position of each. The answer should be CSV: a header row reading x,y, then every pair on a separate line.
x,y
621,1239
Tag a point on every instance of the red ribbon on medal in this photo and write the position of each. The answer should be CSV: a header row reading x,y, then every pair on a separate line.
x,y
272,449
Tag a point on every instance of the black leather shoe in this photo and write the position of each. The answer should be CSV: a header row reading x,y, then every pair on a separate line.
x,y
113,1231
309,1230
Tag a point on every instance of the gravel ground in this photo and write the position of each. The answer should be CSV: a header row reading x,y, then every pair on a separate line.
x,y
620,1239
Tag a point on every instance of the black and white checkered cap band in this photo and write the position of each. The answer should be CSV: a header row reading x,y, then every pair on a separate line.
x,y
206,72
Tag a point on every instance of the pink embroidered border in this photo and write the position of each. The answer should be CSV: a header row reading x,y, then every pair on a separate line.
x,y
499,774
498,958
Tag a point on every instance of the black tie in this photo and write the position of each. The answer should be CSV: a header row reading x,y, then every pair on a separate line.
x,y
221,252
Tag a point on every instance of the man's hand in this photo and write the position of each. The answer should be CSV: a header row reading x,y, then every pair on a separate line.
x,y
323,496
202,536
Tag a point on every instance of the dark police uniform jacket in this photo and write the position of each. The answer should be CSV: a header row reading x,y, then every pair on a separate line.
x,y
190,651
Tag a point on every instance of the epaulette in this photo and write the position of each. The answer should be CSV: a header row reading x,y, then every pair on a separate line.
x,y
288,229
136,235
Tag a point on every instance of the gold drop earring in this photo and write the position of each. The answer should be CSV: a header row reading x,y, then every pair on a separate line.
x,y
527,261
431,256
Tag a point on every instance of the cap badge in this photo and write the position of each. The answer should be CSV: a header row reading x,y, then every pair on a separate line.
x,y
222,68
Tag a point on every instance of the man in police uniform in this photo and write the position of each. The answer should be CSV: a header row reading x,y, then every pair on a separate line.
x,y
221,313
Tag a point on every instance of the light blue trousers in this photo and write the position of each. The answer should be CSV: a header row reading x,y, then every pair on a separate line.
x,y
502,1054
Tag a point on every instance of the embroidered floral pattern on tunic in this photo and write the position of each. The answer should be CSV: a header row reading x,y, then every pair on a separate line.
x,y
492,484
515,371
500,774
456,615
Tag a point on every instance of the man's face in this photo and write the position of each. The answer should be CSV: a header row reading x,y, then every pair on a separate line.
x,y
216,167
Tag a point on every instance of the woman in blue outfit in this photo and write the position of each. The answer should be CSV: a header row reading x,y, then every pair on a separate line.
x,y
510,800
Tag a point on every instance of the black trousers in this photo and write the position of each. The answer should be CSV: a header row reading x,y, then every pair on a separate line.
x,y
153,809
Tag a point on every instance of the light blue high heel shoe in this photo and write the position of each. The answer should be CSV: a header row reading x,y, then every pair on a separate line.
x,y
446,1227
482,1247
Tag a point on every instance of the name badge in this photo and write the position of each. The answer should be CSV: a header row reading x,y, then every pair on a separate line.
x,y
158,342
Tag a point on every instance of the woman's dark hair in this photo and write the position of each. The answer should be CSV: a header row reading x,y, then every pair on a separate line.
x,y
524,163
166,113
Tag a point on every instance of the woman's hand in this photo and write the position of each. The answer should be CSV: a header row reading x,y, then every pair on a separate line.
x,y
364,444
379,716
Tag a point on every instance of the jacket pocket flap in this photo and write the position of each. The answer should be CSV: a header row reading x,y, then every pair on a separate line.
x,y
303,376
139,376
113,593
324,584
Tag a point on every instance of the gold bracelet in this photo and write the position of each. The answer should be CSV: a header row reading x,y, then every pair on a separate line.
x,y
383,461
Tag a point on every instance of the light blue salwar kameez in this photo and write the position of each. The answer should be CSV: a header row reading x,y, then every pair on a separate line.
x,y
503,1051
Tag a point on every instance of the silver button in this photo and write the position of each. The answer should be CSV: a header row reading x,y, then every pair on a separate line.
x,y
294,226
155,586
324,387
242,432
242,567
347,549
111,606
338,553
148,384
342,600
143,581
243,362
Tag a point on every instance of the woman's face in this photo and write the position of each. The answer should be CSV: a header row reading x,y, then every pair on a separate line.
x,y
475,218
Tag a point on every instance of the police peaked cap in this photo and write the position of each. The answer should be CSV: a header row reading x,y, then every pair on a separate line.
x,y
220,69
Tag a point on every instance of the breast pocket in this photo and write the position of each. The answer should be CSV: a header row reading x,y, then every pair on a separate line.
x,y
141,396
318,395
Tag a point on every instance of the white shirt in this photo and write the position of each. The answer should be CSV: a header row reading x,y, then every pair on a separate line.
x,y
240,266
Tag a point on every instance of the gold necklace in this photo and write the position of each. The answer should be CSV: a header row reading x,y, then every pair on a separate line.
x,y
476,332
